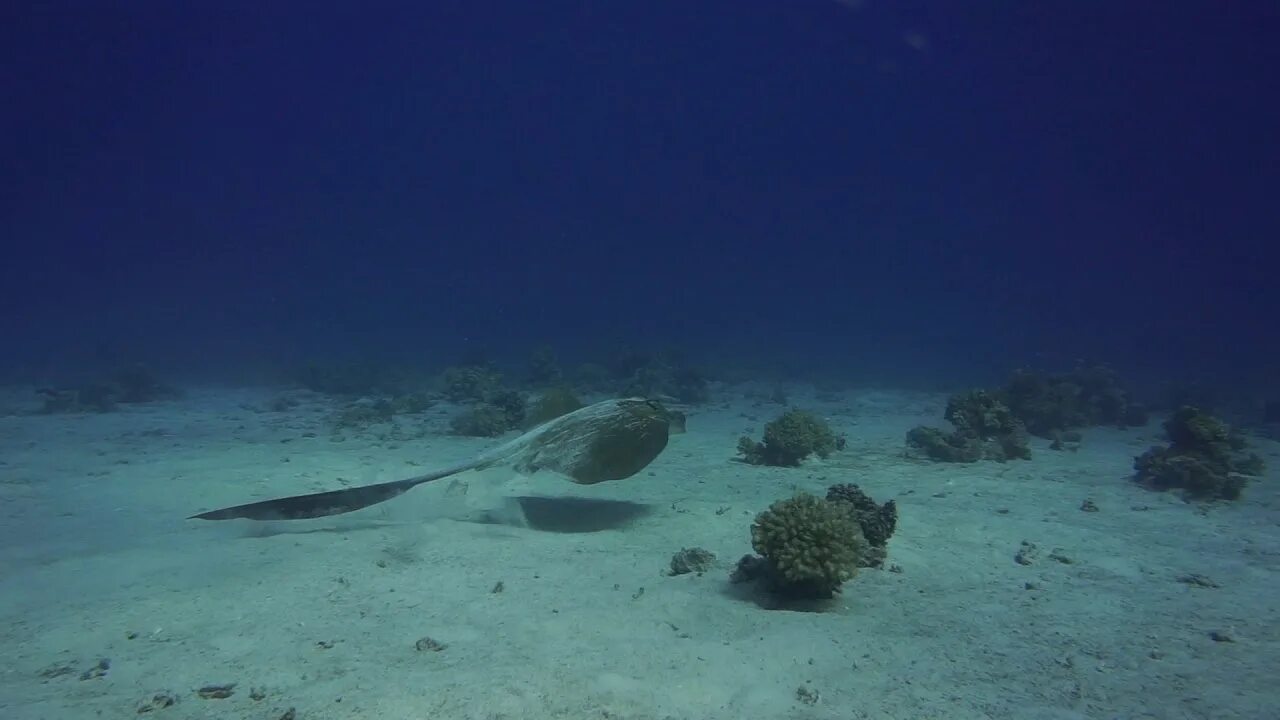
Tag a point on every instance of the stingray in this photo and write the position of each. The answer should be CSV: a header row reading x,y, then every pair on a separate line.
x,y
610,440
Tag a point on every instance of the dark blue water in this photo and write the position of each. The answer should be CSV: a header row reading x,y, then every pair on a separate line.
x,y
906,192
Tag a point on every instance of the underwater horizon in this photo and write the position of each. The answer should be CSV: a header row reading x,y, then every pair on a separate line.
x,y
996,280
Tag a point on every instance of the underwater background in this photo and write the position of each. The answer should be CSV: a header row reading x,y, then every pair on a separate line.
x,y
906,192
698,360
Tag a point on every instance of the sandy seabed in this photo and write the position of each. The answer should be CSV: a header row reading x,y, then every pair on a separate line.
x,y
496,597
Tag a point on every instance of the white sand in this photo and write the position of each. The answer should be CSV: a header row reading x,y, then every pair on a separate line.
x,y
96,561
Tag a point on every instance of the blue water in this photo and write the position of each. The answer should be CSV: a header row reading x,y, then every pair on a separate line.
x,y
908,191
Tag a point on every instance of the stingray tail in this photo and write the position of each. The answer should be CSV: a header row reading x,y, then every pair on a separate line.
x,y
324,504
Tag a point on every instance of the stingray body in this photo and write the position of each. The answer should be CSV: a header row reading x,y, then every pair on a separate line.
x,y
609,440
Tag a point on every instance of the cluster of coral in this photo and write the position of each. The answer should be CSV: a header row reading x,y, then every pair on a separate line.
x,y
995,425
808,547
1205,458
364,412
983,428
1088,396
654,374
789,439
127,385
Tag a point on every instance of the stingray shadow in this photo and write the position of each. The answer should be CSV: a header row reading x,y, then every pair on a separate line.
x,y
572,514
258,529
